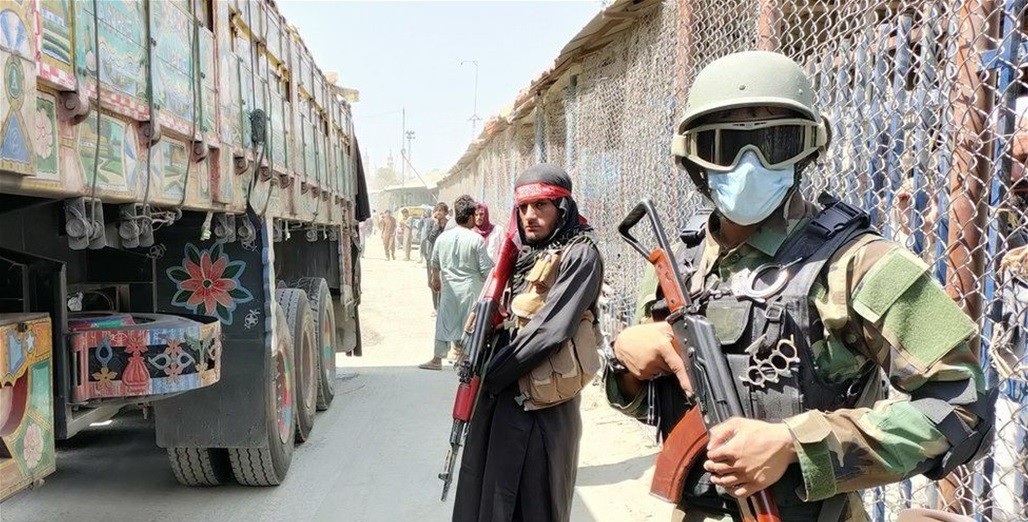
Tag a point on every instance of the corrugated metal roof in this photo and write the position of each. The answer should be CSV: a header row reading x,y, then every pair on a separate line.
x,y
596,34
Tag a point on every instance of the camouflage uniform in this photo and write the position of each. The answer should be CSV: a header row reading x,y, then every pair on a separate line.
x,y
879,303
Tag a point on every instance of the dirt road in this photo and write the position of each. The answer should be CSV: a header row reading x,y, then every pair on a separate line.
x,y
373,456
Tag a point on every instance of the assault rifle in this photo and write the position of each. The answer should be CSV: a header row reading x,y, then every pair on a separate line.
x,y
709,374
485,317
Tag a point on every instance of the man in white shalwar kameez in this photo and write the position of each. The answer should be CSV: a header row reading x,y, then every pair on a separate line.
x,y
460,265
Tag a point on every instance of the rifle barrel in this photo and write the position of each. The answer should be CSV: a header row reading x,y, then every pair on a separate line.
x,y
447,474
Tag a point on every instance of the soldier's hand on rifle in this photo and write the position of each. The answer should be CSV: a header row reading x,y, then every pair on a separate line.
x,y
746,456
647,353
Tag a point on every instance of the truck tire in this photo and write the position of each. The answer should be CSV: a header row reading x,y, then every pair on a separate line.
x,y
267,465
297,309
200,466
325,321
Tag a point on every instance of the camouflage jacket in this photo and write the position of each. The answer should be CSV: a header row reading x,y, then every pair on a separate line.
x,y
878,302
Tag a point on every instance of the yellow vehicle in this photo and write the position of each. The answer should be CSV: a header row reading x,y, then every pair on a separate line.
x,y
419,213
416,211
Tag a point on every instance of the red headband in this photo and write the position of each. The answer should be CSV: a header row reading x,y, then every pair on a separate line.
x,y
536,191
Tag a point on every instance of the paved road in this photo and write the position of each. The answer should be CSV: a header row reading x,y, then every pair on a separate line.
x,y
372,457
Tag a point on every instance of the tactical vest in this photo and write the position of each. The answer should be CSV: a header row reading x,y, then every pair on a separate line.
x,y
563,374
767,338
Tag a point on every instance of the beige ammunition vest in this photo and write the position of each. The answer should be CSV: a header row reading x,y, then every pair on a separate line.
x,y
566,371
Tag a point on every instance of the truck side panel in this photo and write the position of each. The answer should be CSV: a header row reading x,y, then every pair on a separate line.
x,y
26,412
231,281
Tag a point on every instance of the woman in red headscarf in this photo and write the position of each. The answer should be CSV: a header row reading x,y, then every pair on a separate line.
x,y
491,234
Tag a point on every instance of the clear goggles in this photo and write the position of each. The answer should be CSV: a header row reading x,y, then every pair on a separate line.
x,y
778,143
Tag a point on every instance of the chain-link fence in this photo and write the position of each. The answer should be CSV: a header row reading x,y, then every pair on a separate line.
x,y
925,101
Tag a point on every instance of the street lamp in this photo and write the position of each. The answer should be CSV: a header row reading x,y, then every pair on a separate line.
x,y
474,116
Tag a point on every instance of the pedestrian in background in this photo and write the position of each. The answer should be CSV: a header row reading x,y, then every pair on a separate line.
x,y
424,227
460,265
436,225
404,233
389,234
362,233
490,233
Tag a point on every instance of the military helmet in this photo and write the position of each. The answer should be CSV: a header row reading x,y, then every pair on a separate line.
x,y
749,79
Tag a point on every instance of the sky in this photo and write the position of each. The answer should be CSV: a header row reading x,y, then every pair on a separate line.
x,y
407,55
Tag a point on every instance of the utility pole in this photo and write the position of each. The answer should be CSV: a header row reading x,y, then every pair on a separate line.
x,y
403,152
410,136
474,113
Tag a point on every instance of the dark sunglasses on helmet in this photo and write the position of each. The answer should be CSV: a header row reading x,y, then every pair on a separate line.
x,y
778,143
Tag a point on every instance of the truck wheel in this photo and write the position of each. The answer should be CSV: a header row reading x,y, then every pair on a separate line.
x,y
325,321
301,326
200,466
267,465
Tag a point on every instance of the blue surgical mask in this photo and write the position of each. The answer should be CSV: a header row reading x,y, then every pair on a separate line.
x,y
749,192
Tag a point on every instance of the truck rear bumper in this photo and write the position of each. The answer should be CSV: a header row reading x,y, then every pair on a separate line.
x,y
142,355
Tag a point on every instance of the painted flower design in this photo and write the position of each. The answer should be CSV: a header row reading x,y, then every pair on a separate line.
x,y
173,360
44,135
104,378
135,341
208,283
32,447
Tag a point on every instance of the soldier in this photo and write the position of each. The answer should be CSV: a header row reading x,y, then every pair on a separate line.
x,y
810,306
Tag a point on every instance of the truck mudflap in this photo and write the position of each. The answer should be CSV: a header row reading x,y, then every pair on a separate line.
x,y
26,406
142,355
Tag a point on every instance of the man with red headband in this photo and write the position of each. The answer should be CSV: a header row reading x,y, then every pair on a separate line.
x,y
521,453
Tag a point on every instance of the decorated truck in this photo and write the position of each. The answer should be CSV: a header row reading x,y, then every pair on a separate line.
x,y
179,192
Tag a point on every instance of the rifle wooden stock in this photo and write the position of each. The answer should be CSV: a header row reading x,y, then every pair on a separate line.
x,y
683,447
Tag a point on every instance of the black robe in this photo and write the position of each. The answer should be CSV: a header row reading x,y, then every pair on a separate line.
x,y
521,465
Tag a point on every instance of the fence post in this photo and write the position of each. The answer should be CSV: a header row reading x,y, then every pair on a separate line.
x,y
965,262
769,22
540,128
1005,62
571,125
895,173
971,102
877,135
928,124
684,51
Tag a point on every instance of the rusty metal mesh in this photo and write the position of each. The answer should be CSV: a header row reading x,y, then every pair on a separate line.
x,y
926,103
